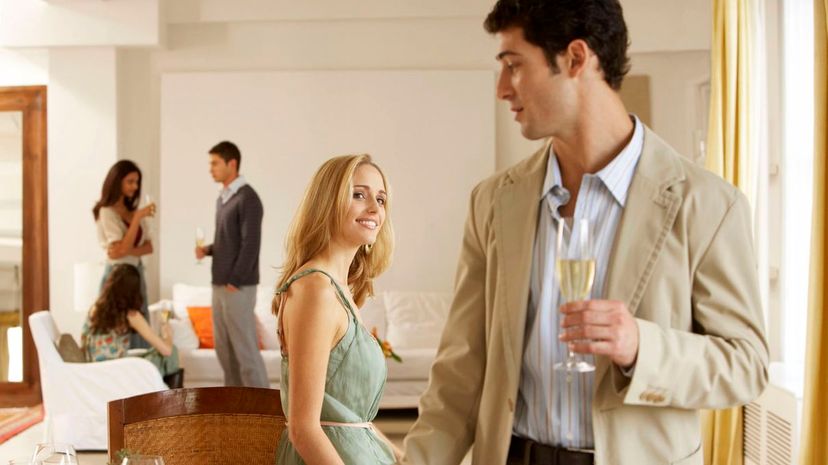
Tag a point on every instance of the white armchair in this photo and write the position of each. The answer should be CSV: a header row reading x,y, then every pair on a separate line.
x,y
75,395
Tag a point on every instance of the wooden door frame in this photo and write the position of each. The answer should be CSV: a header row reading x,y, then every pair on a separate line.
x,y
31,101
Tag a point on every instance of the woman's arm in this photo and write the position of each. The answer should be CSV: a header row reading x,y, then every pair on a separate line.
x,y
121,248
312,319
143,249
163,343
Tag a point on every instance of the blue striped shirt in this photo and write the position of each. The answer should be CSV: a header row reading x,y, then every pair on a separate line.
x,y
543,412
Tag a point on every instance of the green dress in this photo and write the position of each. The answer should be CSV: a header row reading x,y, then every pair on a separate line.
x,y
353,386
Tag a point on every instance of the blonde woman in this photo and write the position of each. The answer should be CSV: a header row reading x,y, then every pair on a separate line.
x,y
333,370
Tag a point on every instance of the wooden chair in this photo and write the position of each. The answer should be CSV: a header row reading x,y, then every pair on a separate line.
x,y
214,425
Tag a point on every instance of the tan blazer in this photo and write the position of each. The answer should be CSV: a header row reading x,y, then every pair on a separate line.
x,y
684,265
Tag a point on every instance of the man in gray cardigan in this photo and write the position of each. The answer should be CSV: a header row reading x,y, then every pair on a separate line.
x,y
235,252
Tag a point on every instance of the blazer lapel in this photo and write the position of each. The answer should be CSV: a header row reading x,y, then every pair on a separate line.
x,y
649,214
515,223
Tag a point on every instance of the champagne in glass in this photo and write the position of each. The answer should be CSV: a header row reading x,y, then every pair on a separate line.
x,y
575,270
166,311
200,238
148,202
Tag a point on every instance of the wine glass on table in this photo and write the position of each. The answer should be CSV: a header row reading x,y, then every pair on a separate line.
x,y
54,454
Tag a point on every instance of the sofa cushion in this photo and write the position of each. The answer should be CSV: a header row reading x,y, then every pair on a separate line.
x,y
202,321
264,300
373,314
202,366
184,295
416,364
184,336
416,319
266,330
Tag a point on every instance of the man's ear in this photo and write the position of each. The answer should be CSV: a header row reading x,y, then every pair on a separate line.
x,y
576,57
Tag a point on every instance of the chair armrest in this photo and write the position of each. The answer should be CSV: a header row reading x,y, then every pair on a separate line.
x,y
87,387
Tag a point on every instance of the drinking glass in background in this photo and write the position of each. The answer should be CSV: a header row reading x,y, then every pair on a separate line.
x,y
54,454
143,460
199,238
148,202
166,311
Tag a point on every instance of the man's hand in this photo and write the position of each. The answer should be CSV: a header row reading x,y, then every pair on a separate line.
x,y
200,252
601,327
231,288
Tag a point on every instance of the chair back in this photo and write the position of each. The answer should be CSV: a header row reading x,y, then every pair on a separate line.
x,y
211,425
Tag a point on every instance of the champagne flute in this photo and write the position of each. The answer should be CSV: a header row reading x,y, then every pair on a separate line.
x,y
200,238
143,460
575,270
166,311
148,202
54,453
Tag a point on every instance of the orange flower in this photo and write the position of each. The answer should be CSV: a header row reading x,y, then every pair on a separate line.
x,y
387,350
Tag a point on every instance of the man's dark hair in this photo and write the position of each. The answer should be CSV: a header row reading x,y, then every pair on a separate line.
x,y
227,151
553,24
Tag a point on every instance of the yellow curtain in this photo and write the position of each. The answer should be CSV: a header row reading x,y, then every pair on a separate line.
x,y
728,155
814,444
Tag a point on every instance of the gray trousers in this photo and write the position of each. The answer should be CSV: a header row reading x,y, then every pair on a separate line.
x,y
234,330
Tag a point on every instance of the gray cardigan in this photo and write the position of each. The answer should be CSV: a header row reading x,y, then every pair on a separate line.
x,y
238,239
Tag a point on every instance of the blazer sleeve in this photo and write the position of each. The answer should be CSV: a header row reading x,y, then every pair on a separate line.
x,y
724,361
448,409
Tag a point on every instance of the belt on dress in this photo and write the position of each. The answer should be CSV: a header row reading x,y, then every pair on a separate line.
x,y
366,425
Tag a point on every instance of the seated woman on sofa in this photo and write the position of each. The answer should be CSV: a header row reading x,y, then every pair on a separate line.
x,y
116,315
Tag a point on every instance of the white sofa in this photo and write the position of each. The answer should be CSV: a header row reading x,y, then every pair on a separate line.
x,y
411,321
75,395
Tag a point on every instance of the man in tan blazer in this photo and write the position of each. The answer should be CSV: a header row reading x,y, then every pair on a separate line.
x,y
677,324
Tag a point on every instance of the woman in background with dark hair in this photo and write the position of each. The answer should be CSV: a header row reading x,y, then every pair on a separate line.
x,y
123,231
115,316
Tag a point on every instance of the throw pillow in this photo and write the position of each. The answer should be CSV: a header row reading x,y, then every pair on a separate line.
x,y
184,337
69,350
202,320
416,319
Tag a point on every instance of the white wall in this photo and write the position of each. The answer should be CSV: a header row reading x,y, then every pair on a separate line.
x,y
293,122
61,23
23,67
654,25
82,146
676,109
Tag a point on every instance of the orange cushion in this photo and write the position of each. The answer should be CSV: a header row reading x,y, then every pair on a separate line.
x,y
202,321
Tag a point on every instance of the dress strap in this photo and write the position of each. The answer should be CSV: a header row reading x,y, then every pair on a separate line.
x,y
340,294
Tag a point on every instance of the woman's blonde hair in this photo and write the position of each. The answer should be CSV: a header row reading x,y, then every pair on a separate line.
x,y
321,216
